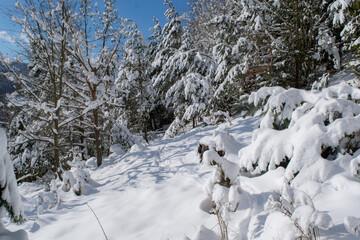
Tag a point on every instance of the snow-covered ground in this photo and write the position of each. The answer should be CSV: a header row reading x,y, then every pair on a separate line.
x,y
155,192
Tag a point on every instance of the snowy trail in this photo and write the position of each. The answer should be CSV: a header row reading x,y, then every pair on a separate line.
x,y
153,192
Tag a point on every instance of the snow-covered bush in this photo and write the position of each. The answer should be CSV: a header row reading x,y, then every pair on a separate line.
x,y
175,128
77,178
29,157
121,136
355,167
10,201
298,206
223,187
322,83
49,198
302,128
217,117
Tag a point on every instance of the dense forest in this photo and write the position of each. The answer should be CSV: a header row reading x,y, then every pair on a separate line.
x,y
94,80
94,85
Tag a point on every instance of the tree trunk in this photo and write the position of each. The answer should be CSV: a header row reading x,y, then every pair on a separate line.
x,y
97,137
97,130
145,129
57,153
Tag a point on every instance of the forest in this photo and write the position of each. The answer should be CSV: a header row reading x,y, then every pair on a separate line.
x,y
88,85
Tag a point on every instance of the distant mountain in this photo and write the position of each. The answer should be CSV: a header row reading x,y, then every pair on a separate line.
x,y
7,86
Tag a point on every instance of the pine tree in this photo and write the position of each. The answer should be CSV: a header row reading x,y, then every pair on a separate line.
x,y
134,83
346,16
300,37
227,80
203,12
170,42
188,70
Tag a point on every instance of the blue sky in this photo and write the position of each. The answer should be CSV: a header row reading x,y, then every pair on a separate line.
x,y
141,11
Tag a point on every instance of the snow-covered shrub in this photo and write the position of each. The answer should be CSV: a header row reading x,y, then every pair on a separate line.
x,y
28,156
10,201
221,142
355,167
77,178
217,117
298,206
223,188
314,127
322,83
49,198
175,128
122,137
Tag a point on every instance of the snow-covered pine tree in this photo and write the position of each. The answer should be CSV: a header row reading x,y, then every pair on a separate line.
x,y
346,16
10,201
155,39
222,30
301,38
134,83
190,92
170,42
228,80
203,33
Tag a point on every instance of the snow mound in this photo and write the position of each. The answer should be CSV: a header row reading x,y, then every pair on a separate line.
x,y
204,233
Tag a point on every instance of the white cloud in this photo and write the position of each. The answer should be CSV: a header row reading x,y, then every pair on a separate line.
x,y
24,37
5,36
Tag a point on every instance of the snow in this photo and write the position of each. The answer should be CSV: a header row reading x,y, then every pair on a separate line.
x,y
162,191
205,234
8,185
8,235
9,195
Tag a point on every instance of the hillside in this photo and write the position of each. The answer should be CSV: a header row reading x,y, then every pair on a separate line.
x,y
8,87
159,191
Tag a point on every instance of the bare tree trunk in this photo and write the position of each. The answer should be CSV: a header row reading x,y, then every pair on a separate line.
x,y
97,137
145,129
297,44
96,130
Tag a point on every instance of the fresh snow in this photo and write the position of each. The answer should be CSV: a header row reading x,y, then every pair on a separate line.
x,y
162,191
152,192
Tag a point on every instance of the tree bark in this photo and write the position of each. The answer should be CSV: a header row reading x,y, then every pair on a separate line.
x,y
97,130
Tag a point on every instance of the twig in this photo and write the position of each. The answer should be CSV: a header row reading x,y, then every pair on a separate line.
x,y
98,221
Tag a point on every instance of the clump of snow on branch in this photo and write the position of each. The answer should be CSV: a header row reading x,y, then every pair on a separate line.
x,y
298,206
10,201
314,127
223,187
